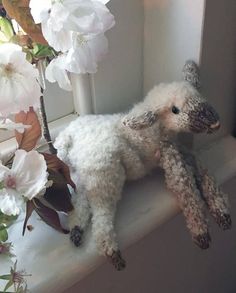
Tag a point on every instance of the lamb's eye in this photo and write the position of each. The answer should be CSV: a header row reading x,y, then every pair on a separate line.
x,y
175,110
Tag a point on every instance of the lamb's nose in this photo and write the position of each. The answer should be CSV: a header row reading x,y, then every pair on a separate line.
x,y
215,126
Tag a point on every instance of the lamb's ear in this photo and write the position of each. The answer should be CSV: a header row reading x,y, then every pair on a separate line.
x,y
191,74
142,121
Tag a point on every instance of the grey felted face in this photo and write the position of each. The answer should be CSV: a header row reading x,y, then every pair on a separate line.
x,y
184,110
202,117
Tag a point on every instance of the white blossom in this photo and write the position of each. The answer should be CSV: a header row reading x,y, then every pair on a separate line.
x,y
19,88
85,53
8,124
25,180
40,10
56,72
81,58
60,18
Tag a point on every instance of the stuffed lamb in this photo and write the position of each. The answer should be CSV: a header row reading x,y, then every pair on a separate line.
x,y
103,151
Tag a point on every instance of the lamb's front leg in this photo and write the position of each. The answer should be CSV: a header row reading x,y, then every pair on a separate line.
x,y
215,198
78,219
180,180
104,232
217,201
103,194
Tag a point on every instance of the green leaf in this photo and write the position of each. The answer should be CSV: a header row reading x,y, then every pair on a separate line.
x,y
1,185
7,220
8,285
29,56
21,289
3,233
6,31
5,277
41,51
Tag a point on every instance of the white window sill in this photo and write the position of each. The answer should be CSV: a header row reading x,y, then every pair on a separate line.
x,y
56,265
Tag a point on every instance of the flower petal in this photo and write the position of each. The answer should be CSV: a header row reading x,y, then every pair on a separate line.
x,y
19,88
10,125
4,171
85,54
56,72
59,40
80,61
54,29
102,1
30,171
40,10
7,50
10,204
88,17
98,47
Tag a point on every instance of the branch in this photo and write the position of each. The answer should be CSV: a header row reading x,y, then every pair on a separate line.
x,y
46,132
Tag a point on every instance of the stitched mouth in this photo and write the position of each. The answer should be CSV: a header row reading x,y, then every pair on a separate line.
x,y
214,127
205,128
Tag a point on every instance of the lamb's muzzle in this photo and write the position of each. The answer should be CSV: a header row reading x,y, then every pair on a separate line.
x,y
204,118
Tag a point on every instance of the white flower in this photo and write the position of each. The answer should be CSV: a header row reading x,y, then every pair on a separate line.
x,y
26,179
19,88
81,58
85,54
88,16
10,125
60,18
40,10
54,29
56,72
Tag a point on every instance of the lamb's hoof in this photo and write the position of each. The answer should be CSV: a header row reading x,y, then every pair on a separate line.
x,y
117,260
203,240
76,236
224,221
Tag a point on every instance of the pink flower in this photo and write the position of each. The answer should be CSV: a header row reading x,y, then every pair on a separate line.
x,y
19,88
26,179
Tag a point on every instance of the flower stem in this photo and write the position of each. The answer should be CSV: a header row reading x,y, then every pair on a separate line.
x,y
46,132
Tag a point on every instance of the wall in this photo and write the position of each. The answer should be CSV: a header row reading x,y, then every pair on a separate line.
x,y
58,102
119,80
218,61
172,35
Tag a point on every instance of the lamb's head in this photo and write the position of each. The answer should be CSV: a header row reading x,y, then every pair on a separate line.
x,y
177,107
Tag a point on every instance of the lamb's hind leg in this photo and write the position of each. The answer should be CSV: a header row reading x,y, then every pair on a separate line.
x,y
78,219
180,180
215,198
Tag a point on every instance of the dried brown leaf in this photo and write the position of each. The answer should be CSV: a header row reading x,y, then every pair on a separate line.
x,y
58,195
29,210
57,165
49,216
20,11
22,40
28,140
